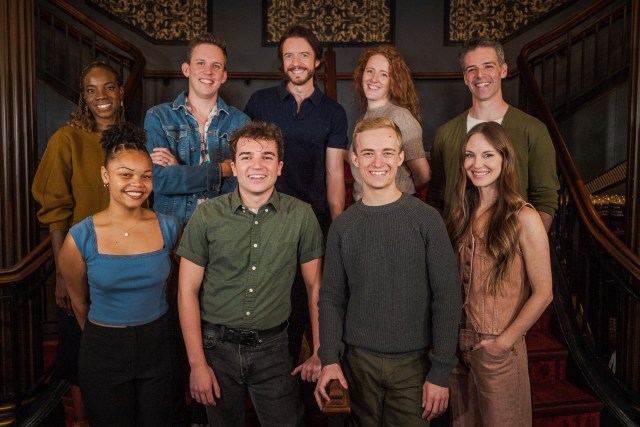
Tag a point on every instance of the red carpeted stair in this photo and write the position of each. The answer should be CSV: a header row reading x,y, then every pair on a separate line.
x,y
556,402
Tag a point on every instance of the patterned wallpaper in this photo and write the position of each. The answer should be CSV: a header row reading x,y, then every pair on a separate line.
x,y
338,22
158,20
496,19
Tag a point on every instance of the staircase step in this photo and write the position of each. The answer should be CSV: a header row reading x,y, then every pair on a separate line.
x,y
547,357
544,322
560,403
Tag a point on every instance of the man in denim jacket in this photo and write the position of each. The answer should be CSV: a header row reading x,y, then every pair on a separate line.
x,y
188,139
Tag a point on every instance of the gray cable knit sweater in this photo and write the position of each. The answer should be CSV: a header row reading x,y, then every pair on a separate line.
x,y
391,285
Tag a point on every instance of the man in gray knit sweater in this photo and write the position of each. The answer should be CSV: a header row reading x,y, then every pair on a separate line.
x,y
390,298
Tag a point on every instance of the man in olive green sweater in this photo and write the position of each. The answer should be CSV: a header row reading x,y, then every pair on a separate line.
x,y
483,66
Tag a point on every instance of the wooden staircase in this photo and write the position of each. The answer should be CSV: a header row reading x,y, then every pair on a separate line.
x,y
556,401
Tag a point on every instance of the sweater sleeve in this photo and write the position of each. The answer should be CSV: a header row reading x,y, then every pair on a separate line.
x,y
543,177
411,135
333,301
446,301
435,195
52,184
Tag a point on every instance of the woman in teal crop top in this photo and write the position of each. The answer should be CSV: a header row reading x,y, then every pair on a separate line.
x,y
116,264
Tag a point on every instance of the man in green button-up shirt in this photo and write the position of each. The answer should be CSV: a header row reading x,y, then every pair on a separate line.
x,y
239,256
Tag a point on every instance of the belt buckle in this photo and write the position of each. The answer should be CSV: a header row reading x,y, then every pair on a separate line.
x,y
241,336
248,337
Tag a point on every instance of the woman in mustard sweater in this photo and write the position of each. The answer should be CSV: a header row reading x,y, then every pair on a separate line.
x,y
68,187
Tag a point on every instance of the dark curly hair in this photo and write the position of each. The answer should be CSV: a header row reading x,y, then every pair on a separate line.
x,y
258,131
122,137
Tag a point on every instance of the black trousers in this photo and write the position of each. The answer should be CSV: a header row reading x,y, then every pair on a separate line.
x,y
126,374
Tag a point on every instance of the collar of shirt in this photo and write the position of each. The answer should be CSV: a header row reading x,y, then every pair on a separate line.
x,y
181,102
236,201
315,97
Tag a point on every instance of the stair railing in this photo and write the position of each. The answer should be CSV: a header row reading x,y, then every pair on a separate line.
x,y
67,40
584,61
23,310
595,272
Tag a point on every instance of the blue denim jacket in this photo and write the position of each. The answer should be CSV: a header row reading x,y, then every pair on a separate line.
x,y
177,188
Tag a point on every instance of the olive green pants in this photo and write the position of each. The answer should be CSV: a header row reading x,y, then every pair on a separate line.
x,y
385,391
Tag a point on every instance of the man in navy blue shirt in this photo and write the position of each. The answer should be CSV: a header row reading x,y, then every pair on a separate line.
x,y
315,134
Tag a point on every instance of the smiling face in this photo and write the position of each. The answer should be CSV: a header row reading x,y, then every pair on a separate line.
x,y
483,73
298,60
376,81
377,156
103,96
482,162
129,177
206,71
256,166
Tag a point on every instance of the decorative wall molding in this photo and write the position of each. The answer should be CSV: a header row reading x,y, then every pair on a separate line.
x,y
336,22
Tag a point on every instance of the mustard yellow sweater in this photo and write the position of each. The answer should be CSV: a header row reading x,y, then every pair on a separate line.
x,y
67,184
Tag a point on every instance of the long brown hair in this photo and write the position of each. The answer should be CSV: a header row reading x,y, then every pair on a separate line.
x,y
82,117
402,91
503,228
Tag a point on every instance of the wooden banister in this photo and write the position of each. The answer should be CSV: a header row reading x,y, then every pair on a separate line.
x,y
339,402
599,231
137,68
27,265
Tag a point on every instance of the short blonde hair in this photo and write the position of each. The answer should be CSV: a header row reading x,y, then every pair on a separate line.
x,y
373,124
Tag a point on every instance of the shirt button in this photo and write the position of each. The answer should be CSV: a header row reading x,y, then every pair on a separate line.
x,y
253,267
465,281
255,245
266,210
250,289
467,263
248,313
256,222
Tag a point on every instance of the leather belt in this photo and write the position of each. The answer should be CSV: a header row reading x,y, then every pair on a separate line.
x,y
246,336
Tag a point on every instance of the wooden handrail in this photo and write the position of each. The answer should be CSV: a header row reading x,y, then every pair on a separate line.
x,y
27,265
597,229
137,69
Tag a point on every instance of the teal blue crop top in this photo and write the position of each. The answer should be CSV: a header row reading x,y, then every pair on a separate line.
x,y
126,290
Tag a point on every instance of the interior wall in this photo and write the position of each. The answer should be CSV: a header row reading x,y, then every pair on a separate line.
x,y
596,134
419,35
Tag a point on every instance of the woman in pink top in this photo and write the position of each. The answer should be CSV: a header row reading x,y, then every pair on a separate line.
x,y
505,270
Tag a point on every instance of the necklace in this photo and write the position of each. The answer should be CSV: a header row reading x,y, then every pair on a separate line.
x,y
126,232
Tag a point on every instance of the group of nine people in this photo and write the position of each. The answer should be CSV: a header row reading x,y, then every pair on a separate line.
x,y
414,308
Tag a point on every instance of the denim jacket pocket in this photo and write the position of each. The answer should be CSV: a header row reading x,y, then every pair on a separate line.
x,y
175,134
224,146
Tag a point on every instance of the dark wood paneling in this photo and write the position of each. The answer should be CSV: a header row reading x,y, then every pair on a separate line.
x,y
17,131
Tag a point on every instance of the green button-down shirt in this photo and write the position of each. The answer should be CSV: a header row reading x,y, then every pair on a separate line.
x,y
250,259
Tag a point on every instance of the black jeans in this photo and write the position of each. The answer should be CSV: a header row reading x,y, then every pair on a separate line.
x,y
264,370
126,374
